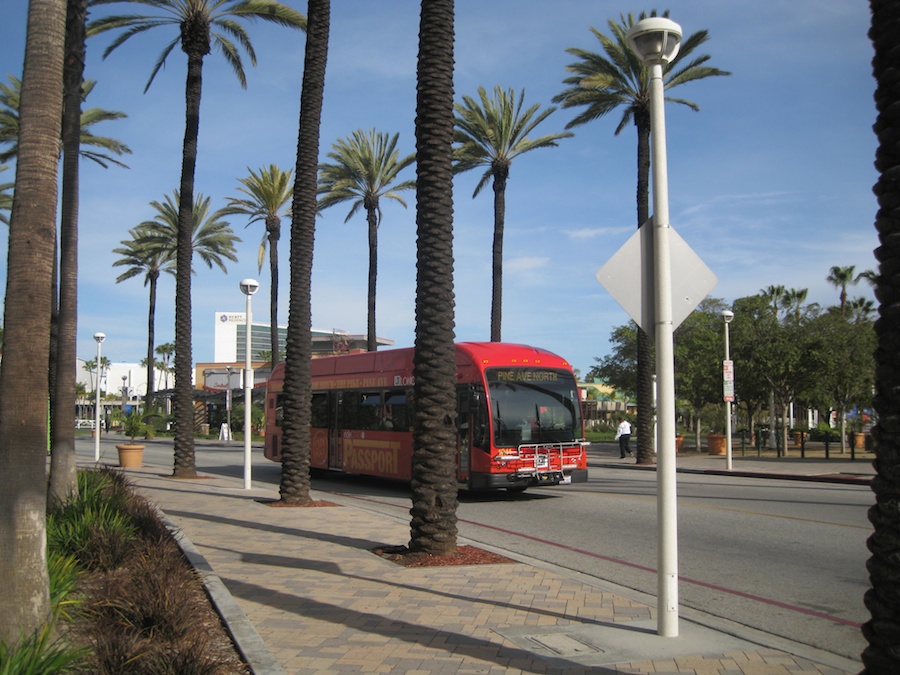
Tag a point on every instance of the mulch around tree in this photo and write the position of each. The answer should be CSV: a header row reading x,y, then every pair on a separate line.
x,y
464,555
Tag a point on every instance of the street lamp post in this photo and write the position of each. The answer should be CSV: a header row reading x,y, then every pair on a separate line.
x,y
99,337
248,287
655,41
228,399
728,382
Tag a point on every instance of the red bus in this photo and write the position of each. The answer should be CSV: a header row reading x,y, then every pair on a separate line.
x,y
519,419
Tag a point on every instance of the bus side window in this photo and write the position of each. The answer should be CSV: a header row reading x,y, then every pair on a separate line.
x,y
319,417
395,411
278,402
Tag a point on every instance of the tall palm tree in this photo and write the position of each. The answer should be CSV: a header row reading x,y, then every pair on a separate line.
x,y
294,484
77,141
774,295
212,239
364,171
490,133
268,193
6,197
24,388
63,481
618,79
150,259
881,655
840,278
434,493
199,25
99,149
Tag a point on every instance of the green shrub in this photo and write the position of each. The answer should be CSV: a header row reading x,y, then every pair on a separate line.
x,y
40,654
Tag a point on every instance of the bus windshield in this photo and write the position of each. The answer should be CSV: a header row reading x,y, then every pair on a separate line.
x,y
533,405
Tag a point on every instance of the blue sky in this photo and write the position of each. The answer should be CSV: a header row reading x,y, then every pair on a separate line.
x,y
770,182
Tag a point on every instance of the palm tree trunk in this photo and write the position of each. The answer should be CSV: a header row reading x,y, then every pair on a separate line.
x,y
294,486
883,600
434,489
274,236
372,220
185,463
645,362
24,389
152,279
63,475
497,254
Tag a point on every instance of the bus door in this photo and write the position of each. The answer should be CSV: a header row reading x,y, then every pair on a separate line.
x,y
463,433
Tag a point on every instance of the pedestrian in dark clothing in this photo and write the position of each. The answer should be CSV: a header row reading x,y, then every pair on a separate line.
x,y
623,435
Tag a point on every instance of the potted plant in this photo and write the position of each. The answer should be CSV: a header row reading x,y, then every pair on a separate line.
x,y
131,455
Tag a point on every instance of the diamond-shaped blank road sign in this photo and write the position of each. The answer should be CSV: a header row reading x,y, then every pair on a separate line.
x,y
628,276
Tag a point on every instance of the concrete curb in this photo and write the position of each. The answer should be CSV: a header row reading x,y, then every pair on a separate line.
x,y
817,478
247,640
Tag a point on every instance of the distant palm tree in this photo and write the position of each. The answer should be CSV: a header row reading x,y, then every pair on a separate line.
x,y
841,277
861,309
793,300
294,486
150,260
364,171
435,499
774,295
166,351
601,83
6,197
268,193
96,148
491,133
199,25
881,654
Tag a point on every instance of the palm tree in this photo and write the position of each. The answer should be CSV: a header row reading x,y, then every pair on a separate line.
x,y
24,387
881,654
99,149
6,197
211,238
774,295
200,25
841,277
861,310
434,492
268,192
63,481
490,133
601,83
294,484
149,259
793,300
364,171
166,351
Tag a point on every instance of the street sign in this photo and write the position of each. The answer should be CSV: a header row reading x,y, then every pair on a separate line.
x,y
728,381
628,276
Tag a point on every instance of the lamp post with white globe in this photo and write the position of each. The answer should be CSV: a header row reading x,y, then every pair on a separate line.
x,y
656,41
248,288
99,337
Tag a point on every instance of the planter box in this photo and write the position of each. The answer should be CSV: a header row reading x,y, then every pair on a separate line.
x,y
715,444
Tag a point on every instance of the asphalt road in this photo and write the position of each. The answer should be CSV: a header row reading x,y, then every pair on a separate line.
x,y
785,557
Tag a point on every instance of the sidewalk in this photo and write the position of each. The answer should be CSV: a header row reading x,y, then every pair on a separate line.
x,y
301,593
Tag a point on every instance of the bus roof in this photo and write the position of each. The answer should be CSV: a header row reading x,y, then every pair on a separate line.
x,y
473,354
